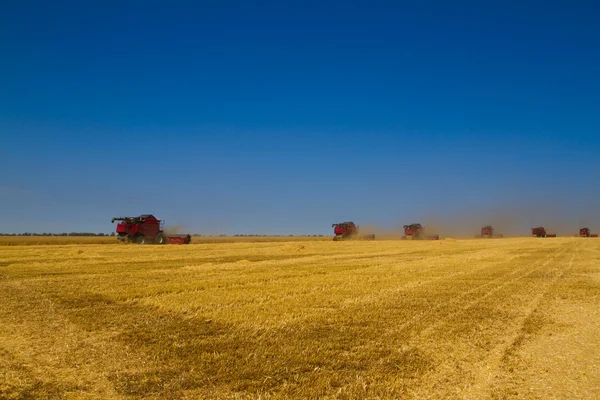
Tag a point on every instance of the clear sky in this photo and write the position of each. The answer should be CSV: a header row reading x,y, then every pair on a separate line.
x,y
284,117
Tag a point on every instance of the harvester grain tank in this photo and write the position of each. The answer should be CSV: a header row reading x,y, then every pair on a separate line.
x,y
416,232
487,232
146,229
348,230
585,232
540,231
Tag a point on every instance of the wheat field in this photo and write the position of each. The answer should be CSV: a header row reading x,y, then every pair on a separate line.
x,y
462,319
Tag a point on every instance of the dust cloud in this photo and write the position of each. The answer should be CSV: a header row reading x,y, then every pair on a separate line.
x,y
508,221
175,230
379,231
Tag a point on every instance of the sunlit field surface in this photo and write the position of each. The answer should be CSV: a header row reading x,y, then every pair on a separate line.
x,y
472,319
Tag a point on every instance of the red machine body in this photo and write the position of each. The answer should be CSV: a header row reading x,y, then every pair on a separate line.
x,y
585,232
146,229
416,232
348,230
540,231
488,232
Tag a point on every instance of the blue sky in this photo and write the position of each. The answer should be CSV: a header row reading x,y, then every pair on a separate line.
x,y
284,117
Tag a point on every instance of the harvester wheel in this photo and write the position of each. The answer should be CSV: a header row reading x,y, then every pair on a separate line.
x,y
141,240
160,238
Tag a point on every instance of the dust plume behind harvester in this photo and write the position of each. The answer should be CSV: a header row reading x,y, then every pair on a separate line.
x,y
540,232
417,232
586,232
487,232
146,229
348,231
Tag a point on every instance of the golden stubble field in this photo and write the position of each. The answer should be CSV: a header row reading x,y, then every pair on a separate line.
x,y
466,319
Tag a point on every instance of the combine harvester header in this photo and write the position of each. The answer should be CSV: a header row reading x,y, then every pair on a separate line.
x,y
348,230
416,232
540,231
146,229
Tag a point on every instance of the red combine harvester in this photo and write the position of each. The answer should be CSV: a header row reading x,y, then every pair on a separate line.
x,y
415,232
348,230
585,232
488,232
540,231
146,229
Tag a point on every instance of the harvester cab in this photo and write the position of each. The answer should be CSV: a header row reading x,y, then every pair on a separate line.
x,y
146,229
348,230
540,231
585,232
415,232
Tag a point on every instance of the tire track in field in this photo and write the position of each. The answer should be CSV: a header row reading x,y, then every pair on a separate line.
x,y
457,300
364,262
370,299
486,378
250,268
415,274
247,270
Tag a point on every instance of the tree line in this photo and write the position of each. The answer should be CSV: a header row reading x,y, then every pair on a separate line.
x,y
58,234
